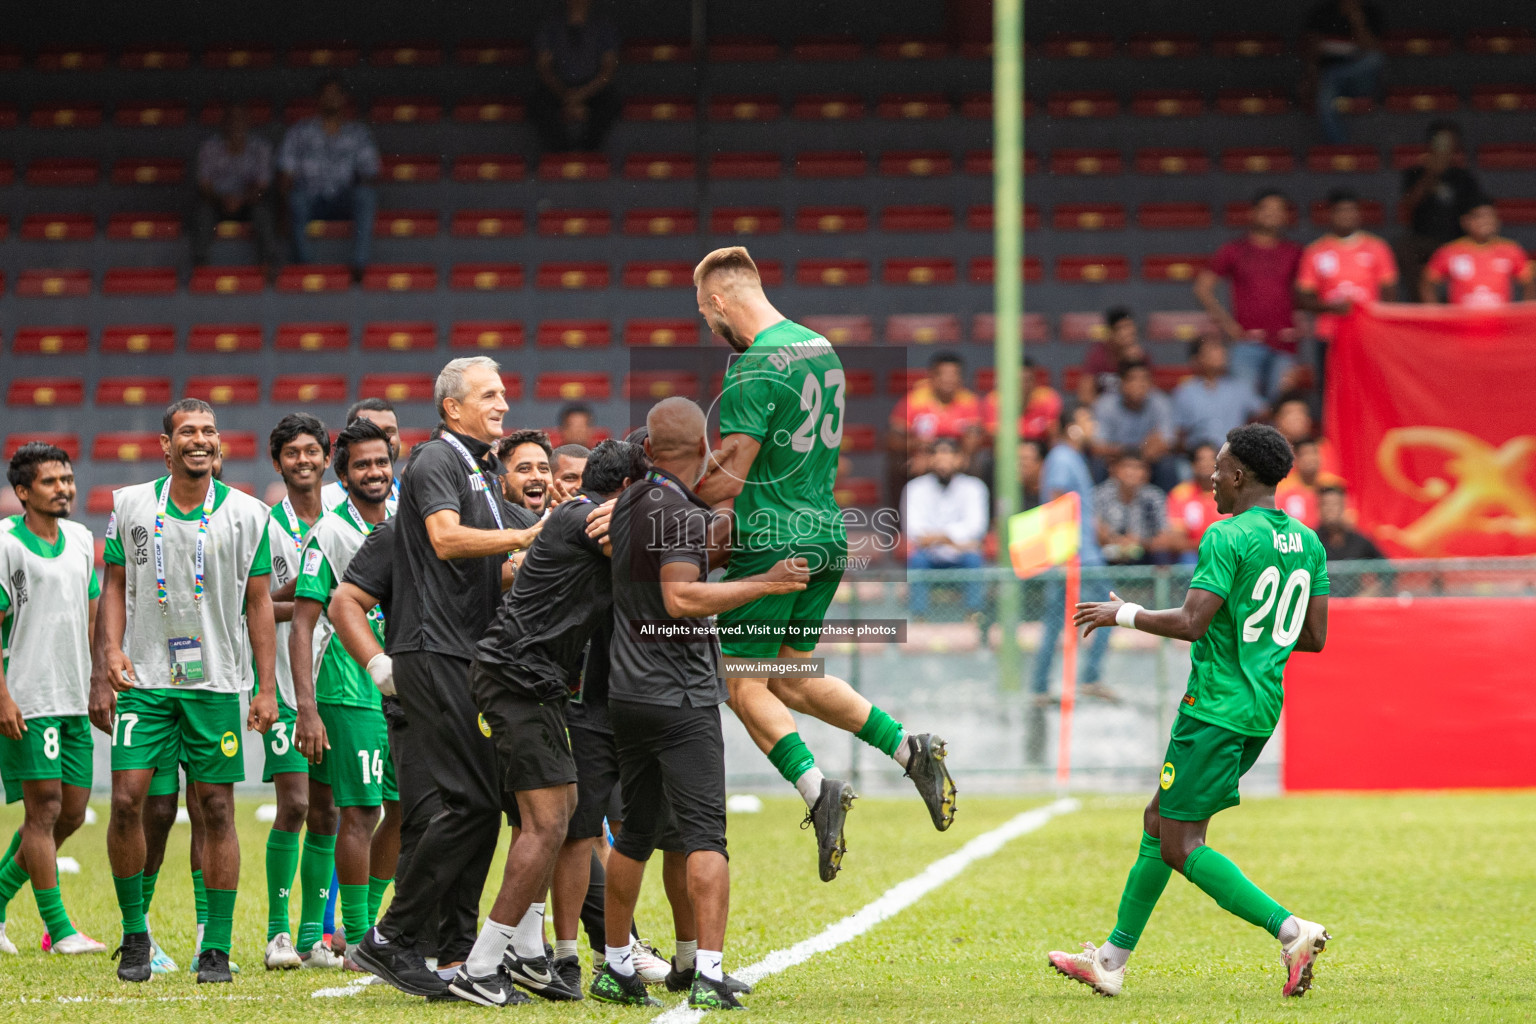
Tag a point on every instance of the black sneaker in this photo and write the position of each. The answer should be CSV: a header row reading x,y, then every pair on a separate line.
x,y
398,964
925,767
537,976
681,980
707,994
827,817
494,990
612,987
569,969
213,967
133,957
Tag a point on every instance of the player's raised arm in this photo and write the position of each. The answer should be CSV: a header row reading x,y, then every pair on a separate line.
x,y
1188,622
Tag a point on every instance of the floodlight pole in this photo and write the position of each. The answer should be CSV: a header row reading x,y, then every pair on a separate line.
x,y
1008,295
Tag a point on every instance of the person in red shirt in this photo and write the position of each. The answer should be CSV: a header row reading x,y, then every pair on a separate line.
x,y
1192,505
1260,268
1042,405
1345,266
1480,268
941,406
1122,344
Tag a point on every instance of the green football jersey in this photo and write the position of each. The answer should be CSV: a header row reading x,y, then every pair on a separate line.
x,y
1264,565
789,393
327,553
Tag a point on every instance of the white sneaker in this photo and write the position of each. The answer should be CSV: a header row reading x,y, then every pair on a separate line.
x,y
1300,955
320,955
1086,968
6,945
281,956
73,945
653,970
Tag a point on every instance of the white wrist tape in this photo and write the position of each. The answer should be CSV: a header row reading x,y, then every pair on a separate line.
x,y
381,669
1126,615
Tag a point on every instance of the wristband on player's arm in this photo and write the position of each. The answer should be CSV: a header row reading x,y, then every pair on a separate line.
x,y
1125,615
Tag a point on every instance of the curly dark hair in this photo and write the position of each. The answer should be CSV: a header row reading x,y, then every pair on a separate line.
x,y
1262,450
611,463
293,425
23,468
515,440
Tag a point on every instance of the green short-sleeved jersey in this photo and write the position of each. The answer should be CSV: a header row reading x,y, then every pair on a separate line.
x,y
788,392
1264,565
338,679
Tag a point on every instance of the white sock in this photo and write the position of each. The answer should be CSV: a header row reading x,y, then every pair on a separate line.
x,y
1289,930
903,750
621,959
1112,956
564,948
489,945
809,785
431,962
685,953
709,964
446,973
199,946
528,939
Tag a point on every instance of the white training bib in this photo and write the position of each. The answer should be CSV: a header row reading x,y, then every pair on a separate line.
x,y
47,650
285,568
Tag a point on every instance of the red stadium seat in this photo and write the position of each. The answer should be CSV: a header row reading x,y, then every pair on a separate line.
x,y
921,271
929,106
329,229
1172,161
911,48
137,338
37,283
1417,43
832,273
1085,103
70,443
659,166
1173,216
150,391
916,163
227,280
139,281
486,334
1079,45
1372,213
1507,156
1247,44
1354,104
745,166
979,218
829,107
1236,215
513,382
1258,160
901,382
831,163
843,328
1510,39
1033,326
488,110
1422,99
573,167
860,437
322,55
831,220
1168,103
150,114
732,107
1344,159
489,167
400,277
226,389
1081,327
746,220
917,218
8,116
313,337
314,277
58,227
977,106
487,223
504,51
659,222
486,277
1504,97
144,226
982,271
127,446
238,56
1252,101
1163,45
571,387
45,391
411,437
657,51
212,114
309,387
405,224
1172,266
659,108
743,49
574,334
63,171
405,170
66,115
50,341
650,333
572,275
224,338
1517,211
1166,378
420,54
771,272
397,387
71,58
1086,161
148,171
654,385
574,223
7,172
1092,269
922,328
1185,325
828,48
658,274
1088,217
98,500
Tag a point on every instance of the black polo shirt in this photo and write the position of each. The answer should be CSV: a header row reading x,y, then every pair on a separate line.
x,y
655,522
372,569
444,607
562,591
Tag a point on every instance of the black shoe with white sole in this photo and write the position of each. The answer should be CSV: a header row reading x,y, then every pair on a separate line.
x,y
827,817
925,767
494,990
538,976
400,965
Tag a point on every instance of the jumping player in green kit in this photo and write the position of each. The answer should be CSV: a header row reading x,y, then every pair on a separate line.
x,y
1260,591
781,427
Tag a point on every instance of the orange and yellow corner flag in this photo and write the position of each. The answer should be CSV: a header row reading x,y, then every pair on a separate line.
x,y
1045,537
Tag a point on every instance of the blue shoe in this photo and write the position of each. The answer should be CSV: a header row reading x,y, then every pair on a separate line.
x,y
159,963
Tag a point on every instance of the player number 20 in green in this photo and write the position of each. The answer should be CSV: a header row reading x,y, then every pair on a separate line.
x,y
830,426
373,767
1291,614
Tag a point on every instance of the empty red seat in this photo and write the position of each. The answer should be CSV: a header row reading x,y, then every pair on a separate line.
x,y
309,387
746,220
917,218
658,274
842,328
911,48
405,169
574,223
1081,327
659,108
829,107
657,51
744,166
979,218
45,391
1172,161
1504,39
133,391
419,54
571,387
58,227
654,385
1417,42
136,338
1163,45
400,277
916,163
1372,213
63,171
405,224
922,270
487,223
486,334
1088,217
7,172
1083,103
1354,104
926,106
1172,266
1252,101
860,437
1422,99
1079,45
1238,215
224,338
397,387
127,446
150,114
1504,97
227,280
657,222
313,337
574,334
743,49
832,273
828,48
147,171
573,167
1032,326
1344,159
66,115
659,166
1168,103
37,283
572,275
500,51
329,229
490,167
8,117
1173,216
1247,44
1166,378
1086,161
983,270
662,333
71,58
1092,269
99,502
486,277
831,220
771,272
144,226
139,281
976,106
1258,160
1180,325
830,163
322,55
239,55
50,341
1507,156
314,277
70,443
730,107
922,328
901,382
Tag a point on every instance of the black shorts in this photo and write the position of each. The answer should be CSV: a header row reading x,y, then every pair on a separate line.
x,y
670,759
533,750
597,778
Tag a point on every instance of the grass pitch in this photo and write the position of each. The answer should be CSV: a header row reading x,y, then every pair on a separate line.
x,y
1429,899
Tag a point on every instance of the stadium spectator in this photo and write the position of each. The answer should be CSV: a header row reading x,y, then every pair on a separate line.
x,y
1345,266
1211,403
1031,461
944,514
1343,40
1121,344
941,406
234,171
1192,505
328,164
575,102
575,425
1042,404
1480,268
1261,270
1435,192
1137,418
1292,416
1341,541
1298,493
1131,515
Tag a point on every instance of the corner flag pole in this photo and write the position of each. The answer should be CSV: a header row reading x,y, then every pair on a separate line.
x,y
1007,290
1068,675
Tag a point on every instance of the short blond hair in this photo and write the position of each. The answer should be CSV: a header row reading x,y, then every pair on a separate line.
x,y
733,259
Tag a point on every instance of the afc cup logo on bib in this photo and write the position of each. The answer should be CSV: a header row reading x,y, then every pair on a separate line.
x,y
1167,777
19,586
485,728
230,744
140,545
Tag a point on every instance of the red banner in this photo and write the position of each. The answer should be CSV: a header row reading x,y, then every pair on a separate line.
x,y
1433,412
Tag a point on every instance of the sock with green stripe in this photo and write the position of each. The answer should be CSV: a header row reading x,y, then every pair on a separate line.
x,y
797,764
150,881
376,887
199,898
50,907
1148,877
282,865
130,900
315,871
882,732
221,919
354,911
1224,882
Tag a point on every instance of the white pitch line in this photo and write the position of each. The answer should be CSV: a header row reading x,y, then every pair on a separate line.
x,y
892,902
351,988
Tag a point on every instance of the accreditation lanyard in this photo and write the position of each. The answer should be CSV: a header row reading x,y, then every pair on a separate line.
x,y
295,525
477,477
665,481
197,560
363,526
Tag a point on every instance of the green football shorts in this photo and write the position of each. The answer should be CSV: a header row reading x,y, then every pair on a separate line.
x,y
53,747
789,620
357,767
1202,767
202,728
281,754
